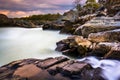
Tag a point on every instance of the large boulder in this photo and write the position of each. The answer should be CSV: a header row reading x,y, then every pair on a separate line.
x,y
106,36
74,46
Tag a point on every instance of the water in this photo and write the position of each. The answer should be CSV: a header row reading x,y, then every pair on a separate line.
x,y
21,43
110,68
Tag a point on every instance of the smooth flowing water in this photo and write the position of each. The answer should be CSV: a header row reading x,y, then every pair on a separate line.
x,y
22,43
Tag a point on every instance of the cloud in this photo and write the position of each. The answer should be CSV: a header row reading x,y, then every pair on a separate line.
x,y
19,14
18,8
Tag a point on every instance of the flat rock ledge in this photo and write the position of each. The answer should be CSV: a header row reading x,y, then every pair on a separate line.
x,y
59,68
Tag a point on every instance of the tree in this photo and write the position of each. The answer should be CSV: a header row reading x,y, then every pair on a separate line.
x,y
91,5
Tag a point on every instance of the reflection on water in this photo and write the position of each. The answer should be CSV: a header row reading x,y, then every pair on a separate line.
x,y
21,43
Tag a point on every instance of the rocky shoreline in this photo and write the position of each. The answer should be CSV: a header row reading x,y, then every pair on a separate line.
x,y
59,68
10,22
97,37
92,35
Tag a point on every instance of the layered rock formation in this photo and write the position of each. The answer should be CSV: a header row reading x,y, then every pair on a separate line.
x,y
101,36
59,68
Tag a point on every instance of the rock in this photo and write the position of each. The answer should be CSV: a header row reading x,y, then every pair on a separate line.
x,y
97,24
33,70
114,53
74,46
52,26
50,62
68,28
106,36
101,49
71,26
71,16
23,23
5,21
8,22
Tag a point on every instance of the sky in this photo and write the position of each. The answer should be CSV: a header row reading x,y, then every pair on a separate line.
x,y
22,8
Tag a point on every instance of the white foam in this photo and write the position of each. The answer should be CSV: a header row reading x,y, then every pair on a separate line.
x,y
110,68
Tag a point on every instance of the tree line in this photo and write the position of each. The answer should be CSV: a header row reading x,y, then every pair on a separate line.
x,y
43,17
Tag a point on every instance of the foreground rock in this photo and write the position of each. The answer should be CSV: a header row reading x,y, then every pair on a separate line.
x,y
8,22
59,68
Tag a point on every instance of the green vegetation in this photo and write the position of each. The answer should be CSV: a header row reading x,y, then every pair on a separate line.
x,y
90,6
43,17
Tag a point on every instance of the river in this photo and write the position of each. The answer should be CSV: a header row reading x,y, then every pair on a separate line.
x,y
22,43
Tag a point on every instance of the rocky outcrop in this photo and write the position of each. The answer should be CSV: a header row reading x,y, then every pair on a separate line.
x,y
8,22
74,46
59,68
77,46
98,24
70,27
5,21
23,23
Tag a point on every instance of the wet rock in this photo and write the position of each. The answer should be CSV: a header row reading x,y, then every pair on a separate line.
x,y
114,53
50,62
97,74
73,68
73,46
101,49
106,36
33,69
